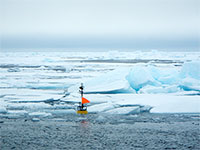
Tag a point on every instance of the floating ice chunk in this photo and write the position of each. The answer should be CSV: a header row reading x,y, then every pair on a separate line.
x,y
13,70
28,106
145,108
124,110
40,114
101,107
47,86
35,119
61,112
13,116
48,60
3,110
57,68
18,112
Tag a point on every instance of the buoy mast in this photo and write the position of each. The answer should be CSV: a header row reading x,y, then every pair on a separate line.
x,y
82,109
81,91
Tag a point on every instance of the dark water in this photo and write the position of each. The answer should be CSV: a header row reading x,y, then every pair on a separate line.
x,y
143,131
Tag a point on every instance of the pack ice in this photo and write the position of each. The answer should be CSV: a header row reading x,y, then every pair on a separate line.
x,y
132,90
115,82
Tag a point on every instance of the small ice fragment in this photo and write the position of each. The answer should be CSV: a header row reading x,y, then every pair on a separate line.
x,y
39,114
13,70
3,110
35,119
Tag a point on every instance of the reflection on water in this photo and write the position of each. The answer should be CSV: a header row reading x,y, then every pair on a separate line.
x,y
84,123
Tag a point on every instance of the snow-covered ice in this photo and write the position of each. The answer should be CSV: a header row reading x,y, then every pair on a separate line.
x,y
115,82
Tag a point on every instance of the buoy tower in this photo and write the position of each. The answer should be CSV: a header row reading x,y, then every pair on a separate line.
x,y
82,108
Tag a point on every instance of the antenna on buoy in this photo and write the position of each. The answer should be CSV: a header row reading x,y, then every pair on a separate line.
x,y
81,89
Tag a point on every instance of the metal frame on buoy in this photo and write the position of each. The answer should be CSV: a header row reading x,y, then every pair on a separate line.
x,y
82,108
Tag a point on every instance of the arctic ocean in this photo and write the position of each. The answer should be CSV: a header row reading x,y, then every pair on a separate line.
x,y
138,100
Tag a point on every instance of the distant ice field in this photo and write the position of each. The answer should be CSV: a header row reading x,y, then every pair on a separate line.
x,y
45,84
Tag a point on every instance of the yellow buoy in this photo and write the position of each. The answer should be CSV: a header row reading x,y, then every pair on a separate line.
x,y
84,112
81,109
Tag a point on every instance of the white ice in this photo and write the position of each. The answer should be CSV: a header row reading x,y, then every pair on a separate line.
x,y
29,79
135,103
147,79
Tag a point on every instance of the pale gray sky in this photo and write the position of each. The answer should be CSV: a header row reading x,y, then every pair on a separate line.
x,y
87,23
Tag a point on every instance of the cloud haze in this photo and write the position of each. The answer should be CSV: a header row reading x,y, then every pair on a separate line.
x,y
88,23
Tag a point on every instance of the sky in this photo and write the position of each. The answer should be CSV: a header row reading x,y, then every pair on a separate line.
x,y
100,23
